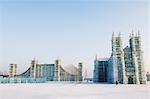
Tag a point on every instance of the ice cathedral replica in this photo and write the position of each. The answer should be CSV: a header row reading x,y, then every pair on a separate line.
x,y
125,66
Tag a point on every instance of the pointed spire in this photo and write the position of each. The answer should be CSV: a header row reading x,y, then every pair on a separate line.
x,y
131,34
113,36
96,57
138,33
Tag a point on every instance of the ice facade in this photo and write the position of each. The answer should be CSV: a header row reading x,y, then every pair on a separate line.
x,y
40,73
125,66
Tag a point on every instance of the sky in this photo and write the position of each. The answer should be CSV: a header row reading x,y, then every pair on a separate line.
x,y
72,30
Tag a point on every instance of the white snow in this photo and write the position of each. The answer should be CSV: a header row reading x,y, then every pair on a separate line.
x,y
73,91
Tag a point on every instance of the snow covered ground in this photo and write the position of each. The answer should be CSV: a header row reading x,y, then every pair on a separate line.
x,y
73,91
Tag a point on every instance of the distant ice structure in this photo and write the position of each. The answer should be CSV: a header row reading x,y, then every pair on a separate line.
x,y
40,73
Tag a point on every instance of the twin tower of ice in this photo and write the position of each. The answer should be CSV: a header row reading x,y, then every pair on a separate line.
x,y
125,65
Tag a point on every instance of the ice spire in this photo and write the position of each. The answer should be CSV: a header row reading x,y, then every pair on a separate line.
x,y
131,34
96,57
138,34
113,35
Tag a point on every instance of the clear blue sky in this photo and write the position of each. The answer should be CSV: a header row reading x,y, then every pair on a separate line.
x,y
73,30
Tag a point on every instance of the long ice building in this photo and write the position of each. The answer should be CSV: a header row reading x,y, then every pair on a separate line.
x,y
52,72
